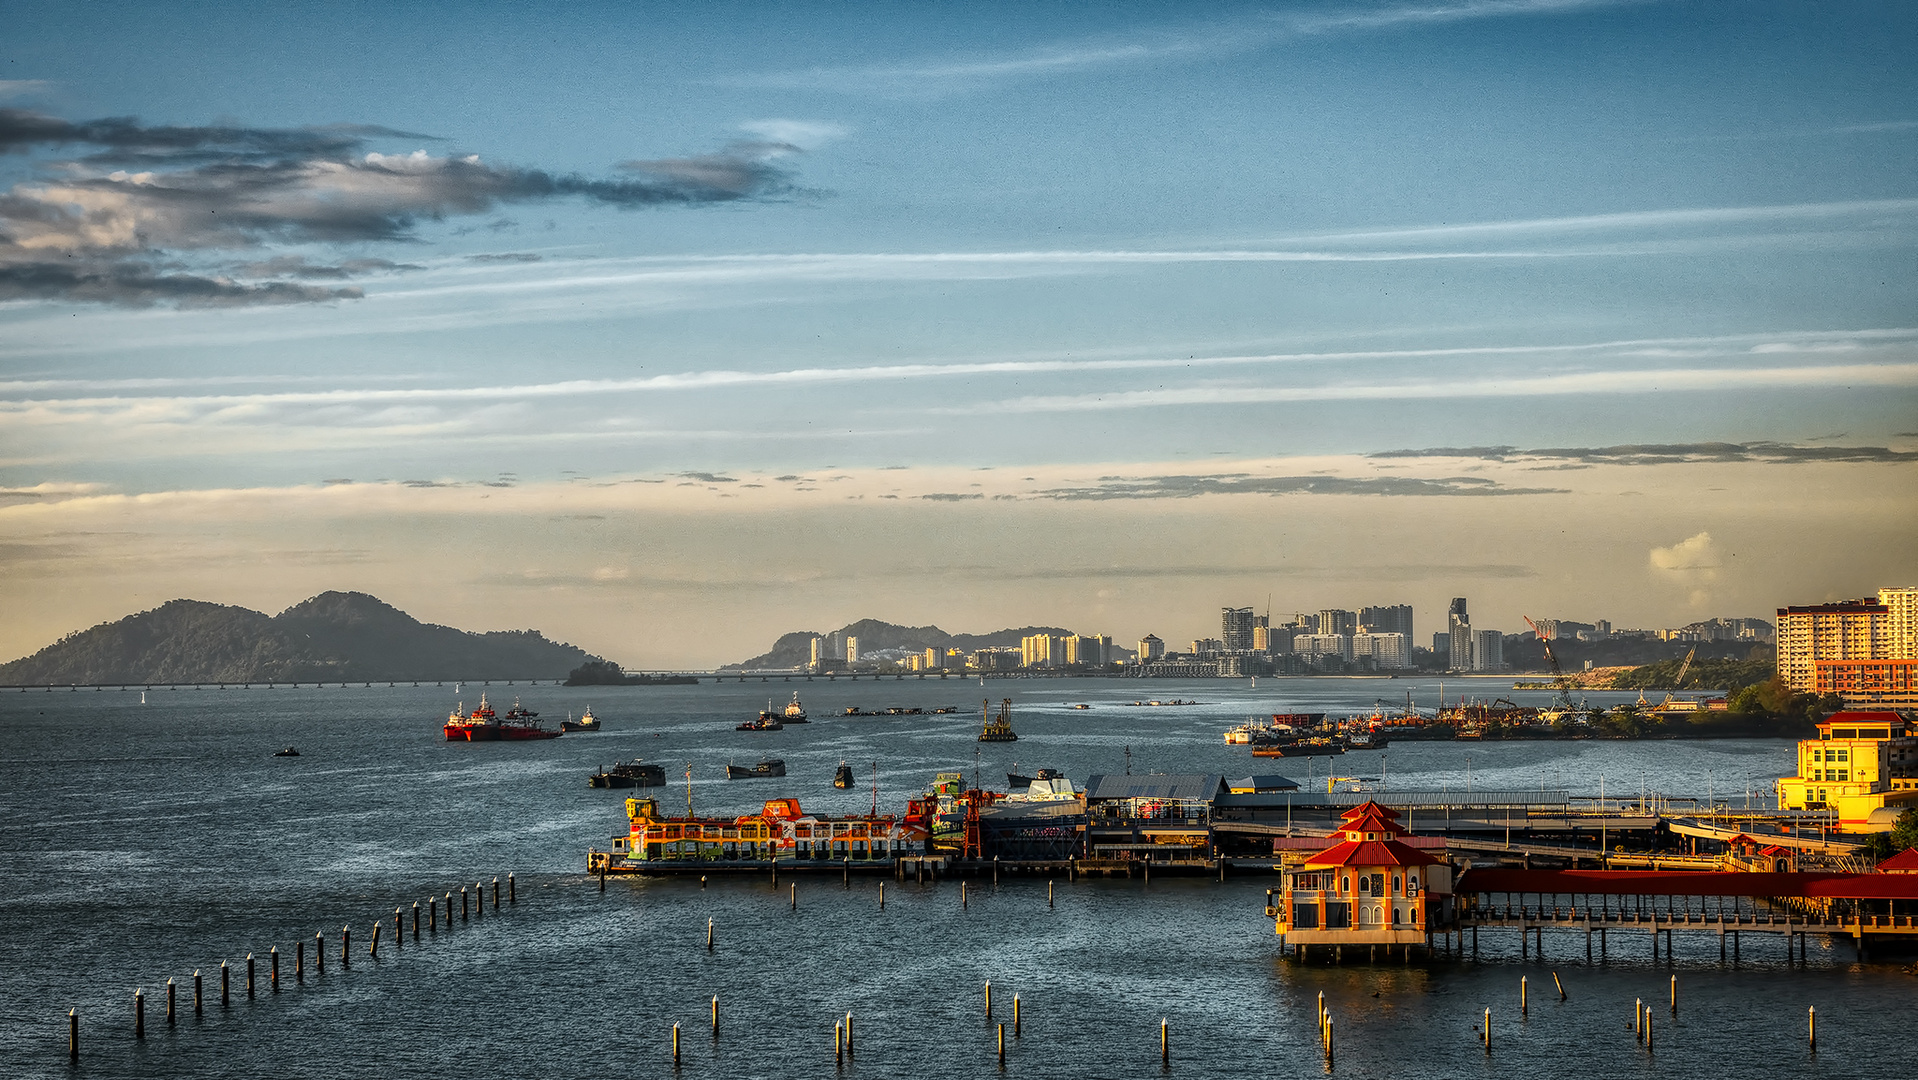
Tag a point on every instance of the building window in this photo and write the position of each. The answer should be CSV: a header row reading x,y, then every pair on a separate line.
x,y
1365,884
1395,883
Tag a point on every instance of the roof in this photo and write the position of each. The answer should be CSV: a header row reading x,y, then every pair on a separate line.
x,y
1690,883
1371,853
1194,786
1262,782
1905,862
1861,716
1371,823
1372,808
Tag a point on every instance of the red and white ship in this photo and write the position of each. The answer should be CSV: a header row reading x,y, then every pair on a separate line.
x,y
483,725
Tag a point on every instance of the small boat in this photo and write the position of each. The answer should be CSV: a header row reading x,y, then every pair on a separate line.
x,y
586,722
625,776
843,778
767,767
519,712
1366,740
998,729
1082,706
1317,746
1014,780
288,752
766,722
944,709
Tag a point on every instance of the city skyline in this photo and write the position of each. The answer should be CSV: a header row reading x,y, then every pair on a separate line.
x,y
663,331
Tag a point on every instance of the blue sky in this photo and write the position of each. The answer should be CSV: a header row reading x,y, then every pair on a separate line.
x,y
1095,315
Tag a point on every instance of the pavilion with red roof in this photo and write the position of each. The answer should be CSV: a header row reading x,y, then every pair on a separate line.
x,y
1369,888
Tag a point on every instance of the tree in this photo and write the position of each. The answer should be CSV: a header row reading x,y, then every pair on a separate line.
x,y
1903,834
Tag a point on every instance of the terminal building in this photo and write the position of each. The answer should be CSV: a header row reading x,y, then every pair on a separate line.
x,y
1863,765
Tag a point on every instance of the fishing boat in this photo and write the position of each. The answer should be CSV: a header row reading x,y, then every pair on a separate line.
x,y
288,752
628,775
1316,746
1256,733
998,729
586,722
766,722
1082,706
767,767
842,779
519,712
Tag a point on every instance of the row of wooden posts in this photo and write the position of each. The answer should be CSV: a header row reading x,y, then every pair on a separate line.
x,y
469,909
1641,1016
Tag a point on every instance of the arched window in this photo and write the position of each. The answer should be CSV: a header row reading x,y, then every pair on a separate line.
x,y
1365,884
1395,883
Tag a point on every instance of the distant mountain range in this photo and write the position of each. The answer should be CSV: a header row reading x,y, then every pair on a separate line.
x,y
795,649
334,636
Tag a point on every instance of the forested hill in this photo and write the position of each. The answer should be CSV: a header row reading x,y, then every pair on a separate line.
x,y
335,635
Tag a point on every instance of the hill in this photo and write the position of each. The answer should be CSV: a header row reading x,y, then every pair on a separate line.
x,y
795,649
335,635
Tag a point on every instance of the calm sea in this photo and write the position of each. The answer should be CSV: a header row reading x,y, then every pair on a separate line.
x,y
142,841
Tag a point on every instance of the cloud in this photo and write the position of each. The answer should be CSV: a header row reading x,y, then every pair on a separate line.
x,y
1693,563
1671,454
801,133
506,257
12,88
95,227
1186,487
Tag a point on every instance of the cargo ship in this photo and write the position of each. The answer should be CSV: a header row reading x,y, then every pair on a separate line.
x,y
484,725
767,767
779,833
1316,746
586,722
793,713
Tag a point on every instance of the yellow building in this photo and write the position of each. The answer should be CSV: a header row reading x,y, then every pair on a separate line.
x,y
1861,762
1848,630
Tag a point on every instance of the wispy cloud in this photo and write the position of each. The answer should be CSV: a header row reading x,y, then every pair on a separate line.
x,y
939,75
1770,453
13,88
1187,487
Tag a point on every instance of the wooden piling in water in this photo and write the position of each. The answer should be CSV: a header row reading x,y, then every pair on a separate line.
x,y
449,909
1560,985
1048,892
416,920
139,1013
792,893
882,896
496,894
373,947
1002,1046
1524,1009
988,999
479,899
1811,1028
849,1034
838,1047
709,933
169,1002
1488,1031
198,1010
273,970
1328,1041
346,944
319,952
675,1044
249,975
715,1016
1674,995
1648,1029
1165,1041
962,895
299,961
1015,1014
463,915
226,996
73,1034
1638,1019
511,897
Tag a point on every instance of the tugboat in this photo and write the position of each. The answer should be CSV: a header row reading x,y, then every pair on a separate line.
x,y
586,722
624,776
793,713
767,767
766,722
998,729
519,712
843,778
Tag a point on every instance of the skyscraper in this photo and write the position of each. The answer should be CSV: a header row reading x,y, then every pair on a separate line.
x,y
1488,650
852,649
1338,621
1848,630
1396,619
1151,648
1901,607
1459,625
1235,628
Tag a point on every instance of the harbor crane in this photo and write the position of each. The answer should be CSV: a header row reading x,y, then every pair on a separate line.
x,y
1678,683
1559,677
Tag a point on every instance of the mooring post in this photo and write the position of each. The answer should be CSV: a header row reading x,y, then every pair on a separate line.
x,y
675,1044
511,896
479,898
273,971
249,975
226,996
169,1001
1524,1009
838,1046
373,947
882,896
849,1033
715,1016
962,894
346,944
1648,1029
416,920
1811,1027
1015,1014
1328,1040
1560,985
139,1013
988,999
1488,1031
1674,992
73,1034
709,933
198,1010
496,894
449,909
319,952
1048,892
1165,1041
792,894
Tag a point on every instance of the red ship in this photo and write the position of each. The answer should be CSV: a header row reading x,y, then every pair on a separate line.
x,y
483,725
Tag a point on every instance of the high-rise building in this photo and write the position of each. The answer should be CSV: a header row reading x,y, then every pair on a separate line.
x,y
1336,621
1388,651
1235,628
817,651
1488,650
1901,605
1459,625
1442,645
1338,645
1040,651
852,649
933,660
1151,648
1087,651
1396,619
1847,630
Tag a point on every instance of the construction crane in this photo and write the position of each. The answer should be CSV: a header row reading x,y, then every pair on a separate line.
x,y
1563,680
1672,694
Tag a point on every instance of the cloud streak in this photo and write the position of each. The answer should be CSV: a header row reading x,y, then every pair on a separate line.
x,y
1767,453
94,231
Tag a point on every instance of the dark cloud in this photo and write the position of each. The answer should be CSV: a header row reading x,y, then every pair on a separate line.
x,y
947,496
1186,487
176,192
710,478
506,257
1670,453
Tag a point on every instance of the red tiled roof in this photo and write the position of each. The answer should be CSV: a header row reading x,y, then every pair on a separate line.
x,y
1371,853
1372,823
1905,862
1369,807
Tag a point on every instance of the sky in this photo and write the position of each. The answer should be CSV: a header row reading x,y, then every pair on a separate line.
x,y
667,329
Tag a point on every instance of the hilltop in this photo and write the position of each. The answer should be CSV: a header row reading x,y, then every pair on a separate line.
x,y
795,649
335,635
